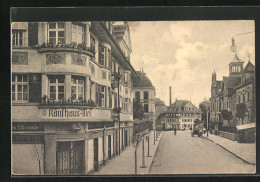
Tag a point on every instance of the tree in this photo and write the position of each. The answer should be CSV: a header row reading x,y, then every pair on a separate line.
x,y
227,115
241,111
37,153
138,110
204,107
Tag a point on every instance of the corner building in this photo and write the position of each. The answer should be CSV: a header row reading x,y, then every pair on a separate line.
x,y
63,95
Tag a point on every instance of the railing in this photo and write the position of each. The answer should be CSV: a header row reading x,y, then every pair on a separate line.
x,y
140,127
49,103
72,46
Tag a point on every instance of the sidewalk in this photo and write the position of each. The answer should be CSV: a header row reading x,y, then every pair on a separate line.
x,y
125,163
244,151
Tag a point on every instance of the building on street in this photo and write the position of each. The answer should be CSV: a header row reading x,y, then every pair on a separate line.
x,y
64,95
145,92
238,87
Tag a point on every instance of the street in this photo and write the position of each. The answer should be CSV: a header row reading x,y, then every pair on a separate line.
x,y
183,154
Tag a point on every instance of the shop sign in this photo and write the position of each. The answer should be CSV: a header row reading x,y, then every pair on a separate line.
x,y
27,127
66,113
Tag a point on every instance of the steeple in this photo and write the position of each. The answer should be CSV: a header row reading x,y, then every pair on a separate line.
x,y
236,65
233,46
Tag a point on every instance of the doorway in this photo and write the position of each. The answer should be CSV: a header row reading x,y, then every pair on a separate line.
x,y
96,154
70,157
109,147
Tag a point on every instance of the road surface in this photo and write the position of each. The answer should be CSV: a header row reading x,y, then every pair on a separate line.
x,y
183,154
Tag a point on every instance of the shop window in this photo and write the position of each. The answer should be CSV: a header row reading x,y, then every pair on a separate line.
x,y
56,87
77,33
77,88
20,87
18,37
56,33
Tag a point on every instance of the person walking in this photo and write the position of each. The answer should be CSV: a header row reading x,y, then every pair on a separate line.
x,y
175,131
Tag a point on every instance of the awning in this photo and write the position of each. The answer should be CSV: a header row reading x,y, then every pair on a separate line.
x,y
246,126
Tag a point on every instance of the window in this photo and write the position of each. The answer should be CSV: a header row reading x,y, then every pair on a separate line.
x,y
248,93
18,37
102,51
137,95
126,77
145,107
77,88
92,42
103,96
56,87
146,95
109,59
244,98
56,33
20,87
77,33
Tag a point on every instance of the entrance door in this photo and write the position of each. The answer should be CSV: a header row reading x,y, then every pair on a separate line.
x,y
96,153
116,142
70,157
109,146
125,138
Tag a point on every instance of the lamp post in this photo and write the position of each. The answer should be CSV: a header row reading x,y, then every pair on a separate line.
x,y
117,78
207,124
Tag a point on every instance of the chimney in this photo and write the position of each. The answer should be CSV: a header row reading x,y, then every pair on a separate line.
x,y
170,96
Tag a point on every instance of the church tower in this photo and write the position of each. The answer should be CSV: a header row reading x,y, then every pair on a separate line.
x,y
236,65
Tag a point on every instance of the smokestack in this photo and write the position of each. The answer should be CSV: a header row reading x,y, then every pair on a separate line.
x,y
170,96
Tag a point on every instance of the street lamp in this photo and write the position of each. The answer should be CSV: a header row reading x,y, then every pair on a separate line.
x,y
116,79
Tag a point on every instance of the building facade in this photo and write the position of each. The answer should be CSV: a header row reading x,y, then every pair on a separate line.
x,y
64,95
238,87
180,115
145,92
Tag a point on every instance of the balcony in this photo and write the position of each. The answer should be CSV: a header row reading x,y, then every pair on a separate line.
x,y
73,47
48,103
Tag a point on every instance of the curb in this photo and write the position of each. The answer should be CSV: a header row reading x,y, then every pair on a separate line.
x,y
155,151
230,152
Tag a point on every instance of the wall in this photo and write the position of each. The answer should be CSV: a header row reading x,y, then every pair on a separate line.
x,y
90,155
23,160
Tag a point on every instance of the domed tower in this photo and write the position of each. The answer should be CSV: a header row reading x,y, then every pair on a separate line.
x,y
236,65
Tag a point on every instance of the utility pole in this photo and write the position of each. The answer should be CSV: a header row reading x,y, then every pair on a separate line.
x,y
143,158
207,124
148,140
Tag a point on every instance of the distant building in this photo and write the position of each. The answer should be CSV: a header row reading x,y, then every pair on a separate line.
x,y
238,87
145,92
181,115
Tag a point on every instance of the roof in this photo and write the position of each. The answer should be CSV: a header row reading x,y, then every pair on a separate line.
x,y
249,67
231,82
143,80
246,126
180,104
219,84
247,81
236,59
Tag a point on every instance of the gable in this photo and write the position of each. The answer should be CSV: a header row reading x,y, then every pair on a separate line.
x,y
127,39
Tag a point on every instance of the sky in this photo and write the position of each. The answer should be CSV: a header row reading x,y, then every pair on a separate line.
x,y
184,54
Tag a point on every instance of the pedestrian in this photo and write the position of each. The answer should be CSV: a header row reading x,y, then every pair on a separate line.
x,y
175,131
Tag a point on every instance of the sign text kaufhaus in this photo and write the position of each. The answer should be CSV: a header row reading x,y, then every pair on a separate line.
x,y
66,113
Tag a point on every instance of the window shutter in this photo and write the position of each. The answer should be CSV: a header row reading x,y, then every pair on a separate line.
x,y
35,90
32,34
